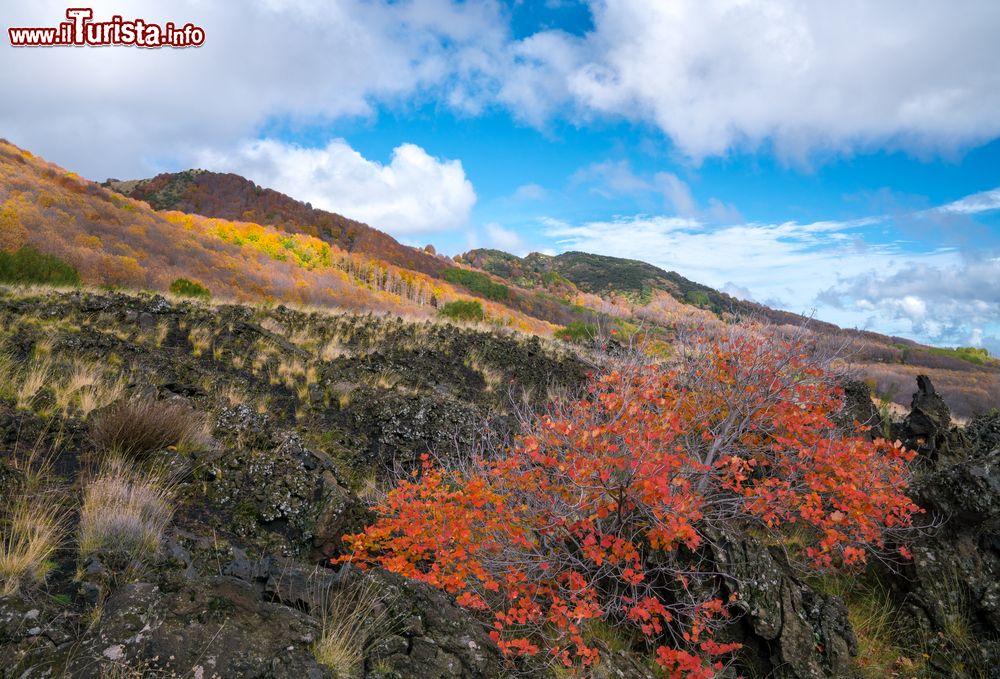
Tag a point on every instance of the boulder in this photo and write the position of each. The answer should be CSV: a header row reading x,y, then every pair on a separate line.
x,y
788,630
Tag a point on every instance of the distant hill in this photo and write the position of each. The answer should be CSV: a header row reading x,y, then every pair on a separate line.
x,y
611,277
230,196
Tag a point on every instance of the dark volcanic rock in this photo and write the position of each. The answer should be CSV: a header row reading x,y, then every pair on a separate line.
x,y
948,593
213,627
926,427
858,407
789,630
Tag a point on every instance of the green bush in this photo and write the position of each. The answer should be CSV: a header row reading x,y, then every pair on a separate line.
x,y
697,298
182,287
463,310
478,282
28,265
577,331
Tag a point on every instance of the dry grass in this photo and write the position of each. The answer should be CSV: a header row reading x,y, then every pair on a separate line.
x,y
7,372
81,377
353,619
87,389
494,379
36,375
200,339
33,528
99,395
333,350
141,427
234,396
125,511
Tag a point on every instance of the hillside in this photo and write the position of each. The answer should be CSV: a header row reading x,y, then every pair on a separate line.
x,y
302,256
229,196
257,437
112,240
614,277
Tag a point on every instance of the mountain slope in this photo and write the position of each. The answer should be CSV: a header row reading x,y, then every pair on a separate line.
x,y
113,240
230,196
614,277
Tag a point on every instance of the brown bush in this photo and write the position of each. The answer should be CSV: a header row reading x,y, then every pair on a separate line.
x,y
140,427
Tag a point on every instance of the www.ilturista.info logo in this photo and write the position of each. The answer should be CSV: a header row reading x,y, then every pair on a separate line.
x,y
81,31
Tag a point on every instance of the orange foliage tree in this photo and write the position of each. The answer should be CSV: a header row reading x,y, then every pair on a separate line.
x,y
600,508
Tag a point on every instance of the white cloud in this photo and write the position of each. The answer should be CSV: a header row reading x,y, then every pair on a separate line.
x,y
413,193
505,239
713,75
953,302
719,74
528,192
125,111
974,204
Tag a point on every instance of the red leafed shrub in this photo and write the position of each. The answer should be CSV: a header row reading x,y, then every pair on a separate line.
x,y
600,509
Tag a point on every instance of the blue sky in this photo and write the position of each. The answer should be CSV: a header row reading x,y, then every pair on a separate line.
x,y
841,159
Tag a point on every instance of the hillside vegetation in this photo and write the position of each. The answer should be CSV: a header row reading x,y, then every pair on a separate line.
x,y
112,240
249,243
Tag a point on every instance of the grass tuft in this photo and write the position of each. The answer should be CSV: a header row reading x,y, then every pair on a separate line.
x,y
354,618
33,528
124,514
141,427
36,375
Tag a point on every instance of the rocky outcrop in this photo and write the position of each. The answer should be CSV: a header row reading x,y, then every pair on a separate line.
x,y
927,426
859,408
949,595
788,630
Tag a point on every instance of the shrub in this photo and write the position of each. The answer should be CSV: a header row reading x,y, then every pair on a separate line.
x,y
577,332
477,281
697,298
27,265
463,310
124,514
182,287
141,427
597,509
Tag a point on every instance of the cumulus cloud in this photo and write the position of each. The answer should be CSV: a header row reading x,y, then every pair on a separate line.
x,y
713,75
719,74
413,193
958,303
122,111
505,239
